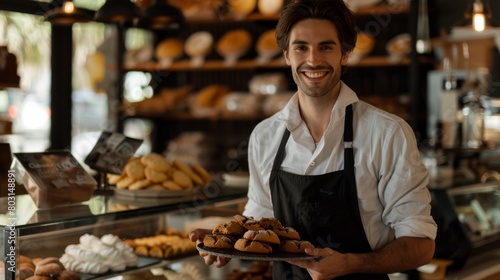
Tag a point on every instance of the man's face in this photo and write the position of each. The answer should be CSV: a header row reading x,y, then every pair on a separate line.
x,y
315,56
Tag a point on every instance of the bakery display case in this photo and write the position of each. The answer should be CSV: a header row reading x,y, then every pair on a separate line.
x,y
29,232
468,219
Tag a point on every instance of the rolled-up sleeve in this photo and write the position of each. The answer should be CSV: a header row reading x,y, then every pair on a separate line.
x,y
403,186
259,199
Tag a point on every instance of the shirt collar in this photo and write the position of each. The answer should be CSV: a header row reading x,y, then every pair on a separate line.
x,y
290,114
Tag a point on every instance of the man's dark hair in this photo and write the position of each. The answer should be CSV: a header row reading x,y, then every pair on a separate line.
x,y
335,11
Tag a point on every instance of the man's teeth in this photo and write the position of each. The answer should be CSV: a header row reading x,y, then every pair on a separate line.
x,y
315,75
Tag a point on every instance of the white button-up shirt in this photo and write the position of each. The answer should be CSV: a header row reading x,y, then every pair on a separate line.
x,y
391,180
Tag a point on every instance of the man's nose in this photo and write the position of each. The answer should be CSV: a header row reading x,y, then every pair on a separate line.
x,y
314,57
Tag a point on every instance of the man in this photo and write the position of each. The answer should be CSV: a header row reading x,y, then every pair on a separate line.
x,y
343,173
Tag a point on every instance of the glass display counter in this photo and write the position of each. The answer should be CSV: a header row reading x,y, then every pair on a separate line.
x,y
468,219
41,233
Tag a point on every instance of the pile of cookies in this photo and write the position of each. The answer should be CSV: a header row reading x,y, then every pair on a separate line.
x,y
247,234
167,243
154,172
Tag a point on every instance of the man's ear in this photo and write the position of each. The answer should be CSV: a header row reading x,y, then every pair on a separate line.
x,y
285,54
345,58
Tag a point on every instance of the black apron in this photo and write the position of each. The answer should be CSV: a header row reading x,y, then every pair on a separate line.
x,y
322,208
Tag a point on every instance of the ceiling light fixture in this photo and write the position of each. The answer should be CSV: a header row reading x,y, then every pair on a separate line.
x,y
478,16
68,14
161,15
118,11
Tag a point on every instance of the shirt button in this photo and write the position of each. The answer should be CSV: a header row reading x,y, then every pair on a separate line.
x,y
312,163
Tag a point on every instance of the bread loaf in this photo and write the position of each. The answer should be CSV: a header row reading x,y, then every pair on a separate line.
x,y
287,233
218,241
248,222
295,246
229,228
246,245
267,236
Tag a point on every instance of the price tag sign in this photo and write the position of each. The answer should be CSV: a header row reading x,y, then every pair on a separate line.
x,y
111,152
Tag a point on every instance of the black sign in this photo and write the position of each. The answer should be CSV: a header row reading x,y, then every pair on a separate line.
x,y
111,152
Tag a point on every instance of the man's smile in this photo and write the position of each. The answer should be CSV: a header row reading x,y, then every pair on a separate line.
x,y
314,74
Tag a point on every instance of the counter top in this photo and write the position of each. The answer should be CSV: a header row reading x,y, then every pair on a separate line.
x,y
106,206
484,266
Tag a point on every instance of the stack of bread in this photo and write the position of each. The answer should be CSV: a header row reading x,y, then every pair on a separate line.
x,y
154,172
208,100
96,255
44,268
246,234
165,101
167,243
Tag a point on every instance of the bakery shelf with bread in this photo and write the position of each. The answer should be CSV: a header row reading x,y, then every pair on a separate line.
x,y
278,63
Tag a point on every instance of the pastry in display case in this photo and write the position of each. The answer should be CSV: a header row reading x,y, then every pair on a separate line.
x,y
468,219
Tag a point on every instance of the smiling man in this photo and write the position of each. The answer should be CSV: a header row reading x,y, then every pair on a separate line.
x,y
346,175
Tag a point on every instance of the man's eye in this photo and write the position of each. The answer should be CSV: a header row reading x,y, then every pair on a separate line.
x,y
327,48
300,48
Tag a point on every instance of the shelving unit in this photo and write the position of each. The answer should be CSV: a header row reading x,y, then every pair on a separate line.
x,y
389,82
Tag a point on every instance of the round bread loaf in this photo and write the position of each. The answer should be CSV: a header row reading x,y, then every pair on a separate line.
x,y
156,161
287,233
295,246
135,170
182,179
199,44
49,269
248,222
270,223
26,270
265,235
246,245
188,171
169,48
234,42
229,228
218,241
266,43
202,172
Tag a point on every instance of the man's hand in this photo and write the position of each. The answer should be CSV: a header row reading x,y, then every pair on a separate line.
x,y
401,254
328,265
197,236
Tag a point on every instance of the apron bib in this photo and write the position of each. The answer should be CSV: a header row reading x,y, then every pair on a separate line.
x,y
322,208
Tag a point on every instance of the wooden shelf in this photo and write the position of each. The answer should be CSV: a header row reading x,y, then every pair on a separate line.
x,y
256,16
189,116
381,9
249,64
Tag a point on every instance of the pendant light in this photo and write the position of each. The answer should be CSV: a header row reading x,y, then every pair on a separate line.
x,y
161,15
118,11
478,16
68,14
